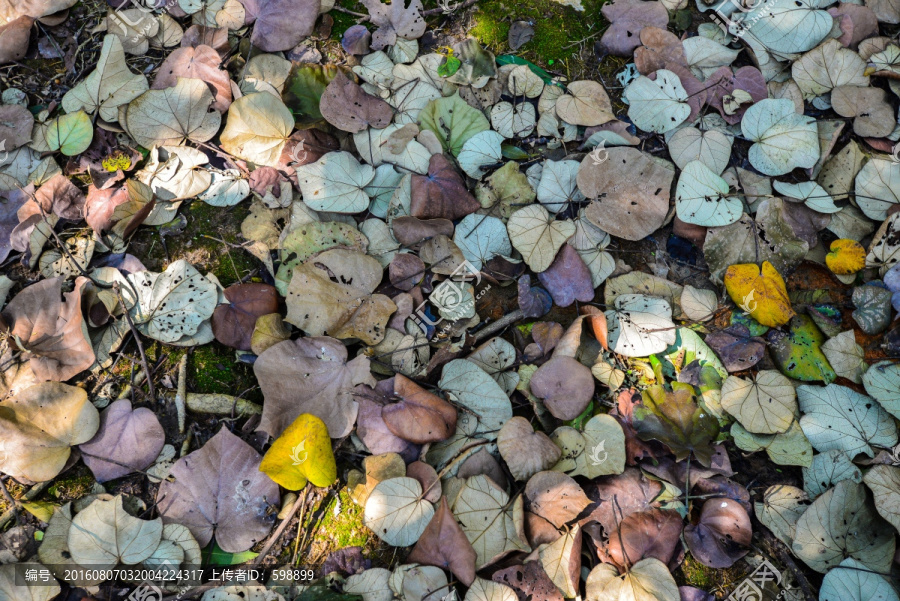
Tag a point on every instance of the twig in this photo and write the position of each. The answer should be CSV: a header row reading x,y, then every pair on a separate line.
x,y
181,393
341,9
503,322
300,526
278,532
137,340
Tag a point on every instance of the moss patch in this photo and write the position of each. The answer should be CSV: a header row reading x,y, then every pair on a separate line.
x,y
560,33
72,485
212,369
693,573
342,526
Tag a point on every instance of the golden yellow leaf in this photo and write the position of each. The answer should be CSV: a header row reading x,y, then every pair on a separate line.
x,y
762,295
303,452
846,257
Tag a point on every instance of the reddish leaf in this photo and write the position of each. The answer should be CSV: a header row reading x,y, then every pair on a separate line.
x,y
722,536
200,62
405,271
627,18
60,197
16,121
428,478
420,416
555,497
444,544
655,533
233,323
442,193
618,497
723,83
410,231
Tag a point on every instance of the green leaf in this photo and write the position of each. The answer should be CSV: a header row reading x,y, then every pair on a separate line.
x,y
509,59
213,555
798,352
674,419
303,90
70,134
449,66
453,121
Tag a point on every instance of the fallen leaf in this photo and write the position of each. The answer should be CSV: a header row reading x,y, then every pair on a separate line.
x,y
301,454
127,441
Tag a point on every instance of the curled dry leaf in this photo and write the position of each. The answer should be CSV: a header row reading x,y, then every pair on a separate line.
x,y
723,534
234,322
419,416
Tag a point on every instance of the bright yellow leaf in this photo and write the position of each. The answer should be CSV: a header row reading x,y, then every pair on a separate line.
x,y
761,295
302,453
846,257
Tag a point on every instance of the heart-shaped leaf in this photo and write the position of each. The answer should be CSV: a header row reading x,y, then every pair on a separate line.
x,y
302,453
127,441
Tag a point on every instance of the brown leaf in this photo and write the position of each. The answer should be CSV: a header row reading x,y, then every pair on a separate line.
x,y
872,114
356,40
724,82
539,531
233,323
736,348
127,441
525,451
857,23
304,147
627,18
444,544
530,582
310,375
661,49
50,330
428,478
14,38
372,430
555,497
482,462
200,62
631,191
618,497
349,108
565,385
655,533
420,416
410,231
442,193
16,121
100,204
405,271
200,35
60,197
722,536
282,24
547,334
10,203
219,490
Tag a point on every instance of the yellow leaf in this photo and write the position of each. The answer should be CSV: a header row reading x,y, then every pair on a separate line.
x,y
303,452
846,257
763,296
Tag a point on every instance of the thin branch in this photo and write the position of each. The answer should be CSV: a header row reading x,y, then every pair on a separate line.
x,y
137,340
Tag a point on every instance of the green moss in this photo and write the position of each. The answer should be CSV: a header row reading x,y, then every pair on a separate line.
x,y
344,527
72,485
212,368
693,573
557,31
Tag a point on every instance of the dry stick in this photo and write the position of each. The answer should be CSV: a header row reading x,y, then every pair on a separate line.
x,y
300,525
137,340
503,322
